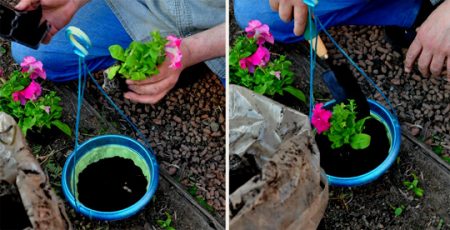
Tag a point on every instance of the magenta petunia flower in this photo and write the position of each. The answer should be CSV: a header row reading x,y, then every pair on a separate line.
x,y
31,92
259,31
173,51
1,72
259,58
34,67
320,118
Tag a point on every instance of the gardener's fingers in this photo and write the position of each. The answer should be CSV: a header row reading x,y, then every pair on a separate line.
x,y
156,78
300,17
26,5
437,63
285,10
448,68
274,4
413,52
424,62
146,99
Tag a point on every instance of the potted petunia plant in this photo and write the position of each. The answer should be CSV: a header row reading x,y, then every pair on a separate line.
x,y
354,150
251,65
22,96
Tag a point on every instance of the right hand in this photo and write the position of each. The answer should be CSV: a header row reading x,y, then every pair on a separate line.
x,y
289,8
58,13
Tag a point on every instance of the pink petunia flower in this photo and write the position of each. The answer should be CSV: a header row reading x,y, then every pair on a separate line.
x,y
259,31
259,58
1,72
46,109
31,92
320,118
277,74
173,51
34,67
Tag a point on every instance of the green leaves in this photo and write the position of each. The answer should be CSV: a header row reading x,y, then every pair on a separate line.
x,y
399,210
166,224
43,112
345,129
296,93
413,185
275,78
360,141
140,60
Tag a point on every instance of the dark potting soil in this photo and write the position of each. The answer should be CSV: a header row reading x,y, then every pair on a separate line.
x,y
111,184
347,162
12,213
242,170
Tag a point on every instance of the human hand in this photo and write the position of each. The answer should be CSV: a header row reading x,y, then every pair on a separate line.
x,y
58,13
152,90
431,47
196,48
287,8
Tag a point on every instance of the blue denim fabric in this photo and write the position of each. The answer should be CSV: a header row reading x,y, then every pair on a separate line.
x,y
109,22
331,13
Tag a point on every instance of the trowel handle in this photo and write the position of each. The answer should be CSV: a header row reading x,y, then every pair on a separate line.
x,y
321,51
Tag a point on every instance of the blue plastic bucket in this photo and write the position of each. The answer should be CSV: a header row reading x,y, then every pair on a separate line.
x,y
142,153
392,125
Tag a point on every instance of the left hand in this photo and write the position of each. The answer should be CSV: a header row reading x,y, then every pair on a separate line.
x,y
152,90
432,43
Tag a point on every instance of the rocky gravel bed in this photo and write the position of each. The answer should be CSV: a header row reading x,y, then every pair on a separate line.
x,y
186,130
422,103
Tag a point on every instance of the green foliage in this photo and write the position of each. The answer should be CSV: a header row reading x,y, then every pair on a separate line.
x,y
140,60
263,80
413,185
167,223
193,191
32,115
345,129
399,210
438,149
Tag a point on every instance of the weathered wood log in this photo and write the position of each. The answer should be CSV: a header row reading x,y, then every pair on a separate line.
x,y
18,165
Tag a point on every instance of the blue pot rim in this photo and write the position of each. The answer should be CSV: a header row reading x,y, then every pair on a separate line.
x,y
119,214
394,132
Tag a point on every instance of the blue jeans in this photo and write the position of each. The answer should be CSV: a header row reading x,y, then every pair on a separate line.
x,y
331,13
60,63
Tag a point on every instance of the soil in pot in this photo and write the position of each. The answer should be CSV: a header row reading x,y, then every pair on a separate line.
x,y
13,214
111,184
347,162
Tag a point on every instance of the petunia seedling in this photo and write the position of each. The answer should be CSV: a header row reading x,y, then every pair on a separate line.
x,y
251,65
345,129
141,59
22,97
